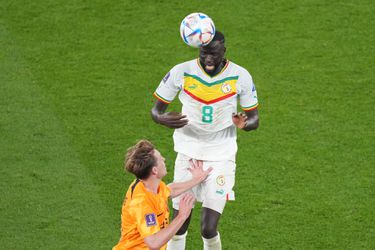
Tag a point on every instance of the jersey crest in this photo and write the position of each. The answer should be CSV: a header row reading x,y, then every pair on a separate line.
x,y
209,92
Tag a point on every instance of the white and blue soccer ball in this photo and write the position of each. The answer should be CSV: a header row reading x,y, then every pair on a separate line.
x,y
197,29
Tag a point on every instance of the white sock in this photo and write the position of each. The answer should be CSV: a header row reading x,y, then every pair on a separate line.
x,y
213,243
177,242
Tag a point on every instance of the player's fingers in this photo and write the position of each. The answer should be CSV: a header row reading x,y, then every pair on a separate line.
x,y
208,170
184,121
200,162
175,118
175,113
178,123
191,162
196,163
180,117
179,126
190,199
183,197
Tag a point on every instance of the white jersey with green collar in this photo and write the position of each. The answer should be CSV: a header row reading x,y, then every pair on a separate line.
x,y
208,102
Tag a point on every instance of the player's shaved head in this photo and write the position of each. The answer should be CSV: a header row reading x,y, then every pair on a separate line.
x,y
218,37
140,159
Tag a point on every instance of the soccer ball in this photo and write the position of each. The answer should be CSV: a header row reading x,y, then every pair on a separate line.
x,y
197,29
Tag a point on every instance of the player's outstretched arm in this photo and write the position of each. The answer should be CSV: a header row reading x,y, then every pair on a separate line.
x,y
198,175
161,238
246,121
168,119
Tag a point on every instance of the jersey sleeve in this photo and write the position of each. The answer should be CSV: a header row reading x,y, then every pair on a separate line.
x,y
169,86
145,219
248,93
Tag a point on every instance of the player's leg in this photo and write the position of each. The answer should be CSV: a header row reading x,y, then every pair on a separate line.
x,y
178,241
185,226
209,222
216,190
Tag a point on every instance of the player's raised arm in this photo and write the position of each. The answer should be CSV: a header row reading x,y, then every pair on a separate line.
x,y
168,119
246,121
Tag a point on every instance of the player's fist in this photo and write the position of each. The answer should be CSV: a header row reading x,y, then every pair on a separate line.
x,y
239,120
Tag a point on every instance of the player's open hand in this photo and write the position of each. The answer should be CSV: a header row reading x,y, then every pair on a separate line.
x,y
239,120
186,204
196,170
173,120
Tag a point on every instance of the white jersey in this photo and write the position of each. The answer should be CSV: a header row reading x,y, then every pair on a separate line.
x,y
208,102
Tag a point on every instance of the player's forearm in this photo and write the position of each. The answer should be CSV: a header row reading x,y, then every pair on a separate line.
x,y
178,188
155,114
158,110
161,238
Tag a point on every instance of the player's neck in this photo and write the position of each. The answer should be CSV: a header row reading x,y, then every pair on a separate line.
x,y
151,184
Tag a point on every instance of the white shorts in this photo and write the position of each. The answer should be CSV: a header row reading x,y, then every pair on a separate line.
x,y
215,190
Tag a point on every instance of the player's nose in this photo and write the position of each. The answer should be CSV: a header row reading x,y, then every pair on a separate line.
x,y
209,60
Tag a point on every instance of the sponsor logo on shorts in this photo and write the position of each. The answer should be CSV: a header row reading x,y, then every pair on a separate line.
x,y
220,180
220,191
150,219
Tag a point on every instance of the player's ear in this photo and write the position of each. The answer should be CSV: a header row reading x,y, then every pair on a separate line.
x,y
154,170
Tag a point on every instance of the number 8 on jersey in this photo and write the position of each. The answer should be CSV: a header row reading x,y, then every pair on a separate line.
x,y
207,112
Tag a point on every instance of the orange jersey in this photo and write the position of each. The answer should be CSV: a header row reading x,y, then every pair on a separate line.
x,y
143,214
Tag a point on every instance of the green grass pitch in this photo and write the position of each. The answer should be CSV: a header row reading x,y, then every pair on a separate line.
x,y
76,79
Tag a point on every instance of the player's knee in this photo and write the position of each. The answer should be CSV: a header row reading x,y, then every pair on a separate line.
x,y
182,230
184,227
208,230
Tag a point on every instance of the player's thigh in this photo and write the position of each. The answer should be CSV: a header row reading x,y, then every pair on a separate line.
x,y
181,174
218,187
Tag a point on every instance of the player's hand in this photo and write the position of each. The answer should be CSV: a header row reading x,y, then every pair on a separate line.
x,y
173,120
186,204
239,120
196,170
